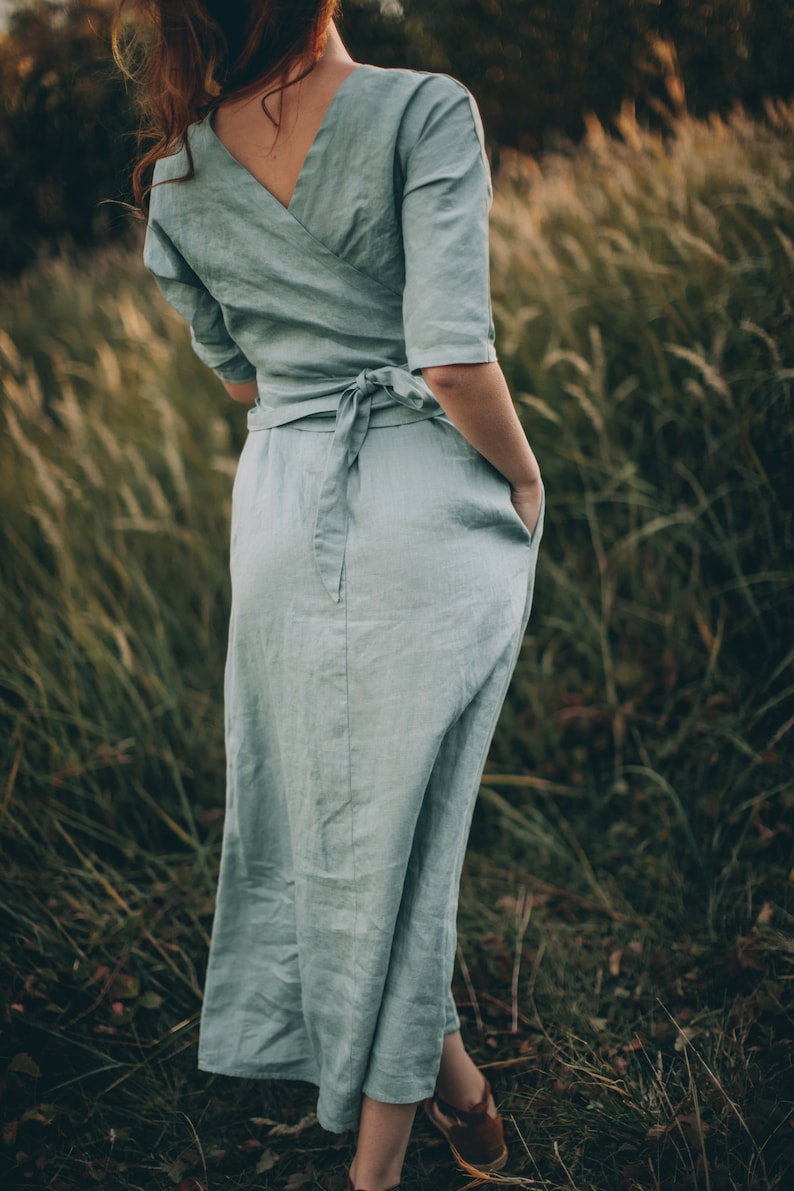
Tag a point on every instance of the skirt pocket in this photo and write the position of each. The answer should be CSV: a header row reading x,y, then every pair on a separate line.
x,y
531,537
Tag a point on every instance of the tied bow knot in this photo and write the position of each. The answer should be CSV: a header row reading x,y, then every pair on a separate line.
x,y
353,414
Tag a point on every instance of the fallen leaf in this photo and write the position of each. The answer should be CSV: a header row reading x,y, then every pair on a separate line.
x,y
748,955
700,1126
266,1161
45,1113
23,1064
301,1178
176,1171
288,1130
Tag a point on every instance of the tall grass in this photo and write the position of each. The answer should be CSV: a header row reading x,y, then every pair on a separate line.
x,y
625,957
644,297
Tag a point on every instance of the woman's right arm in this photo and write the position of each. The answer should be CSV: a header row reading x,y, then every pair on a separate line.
x,y
449,331
476,399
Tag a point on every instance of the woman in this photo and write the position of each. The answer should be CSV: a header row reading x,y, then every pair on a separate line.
x,y
322,225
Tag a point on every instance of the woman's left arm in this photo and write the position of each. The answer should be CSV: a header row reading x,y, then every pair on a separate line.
x,y
186,292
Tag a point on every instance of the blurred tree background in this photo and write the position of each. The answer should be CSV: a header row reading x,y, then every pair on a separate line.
x,y
537,67
66,131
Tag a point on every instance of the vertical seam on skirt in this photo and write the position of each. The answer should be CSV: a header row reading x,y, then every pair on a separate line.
x,y
354,958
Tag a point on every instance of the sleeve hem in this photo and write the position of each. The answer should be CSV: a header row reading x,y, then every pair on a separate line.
x,y
437,357
236,374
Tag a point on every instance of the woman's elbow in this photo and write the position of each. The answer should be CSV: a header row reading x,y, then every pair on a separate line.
x,y
244,393
456,378
452,376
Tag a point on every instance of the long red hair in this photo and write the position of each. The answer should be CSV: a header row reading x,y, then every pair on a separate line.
x,y
188,55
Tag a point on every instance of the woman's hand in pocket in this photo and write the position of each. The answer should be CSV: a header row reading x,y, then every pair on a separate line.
x,y
527,502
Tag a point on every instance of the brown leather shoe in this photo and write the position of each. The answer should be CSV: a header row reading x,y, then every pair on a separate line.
x,y
475,1138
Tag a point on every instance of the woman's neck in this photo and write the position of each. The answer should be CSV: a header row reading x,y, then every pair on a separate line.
x,y
333,58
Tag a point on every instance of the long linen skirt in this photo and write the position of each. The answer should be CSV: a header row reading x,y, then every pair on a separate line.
x,y
356,737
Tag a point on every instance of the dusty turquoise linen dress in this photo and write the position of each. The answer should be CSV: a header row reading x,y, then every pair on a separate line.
x,y
381,581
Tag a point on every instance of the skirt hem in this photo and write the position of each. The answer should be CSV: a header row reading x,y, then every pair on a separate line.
x,y
278,1073
258,1073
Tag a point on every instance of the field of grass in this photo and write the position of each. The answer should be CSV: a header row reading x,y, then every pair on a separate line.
x,y
626,959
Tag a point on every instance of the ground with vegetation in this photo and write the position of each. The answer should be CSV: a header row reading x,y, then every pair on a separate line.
x,y
626,955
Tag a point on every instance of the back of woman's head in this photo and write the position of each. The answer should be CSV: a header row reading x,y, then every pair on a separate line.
x,y
187,55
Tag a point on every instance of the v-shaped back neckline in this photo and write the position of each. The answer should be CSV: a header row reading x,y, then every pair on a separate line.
x,y
310,152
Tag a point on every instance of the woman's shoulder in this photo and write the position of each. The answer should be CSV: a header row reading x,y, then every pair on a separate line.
x,y
181,161
408,104
422,93
175,163
428,107
403,83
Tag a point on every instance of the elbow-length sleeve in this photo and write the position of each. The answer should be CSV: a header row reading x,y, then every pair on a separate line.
x,y
184,290
446,200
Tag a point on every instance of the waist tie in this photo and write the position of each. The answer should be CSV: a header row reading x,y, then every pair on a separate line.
x,y
395,387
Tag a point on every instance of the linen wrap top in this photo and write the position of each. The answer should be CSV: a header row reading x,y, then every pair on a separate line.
x,y
377,268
